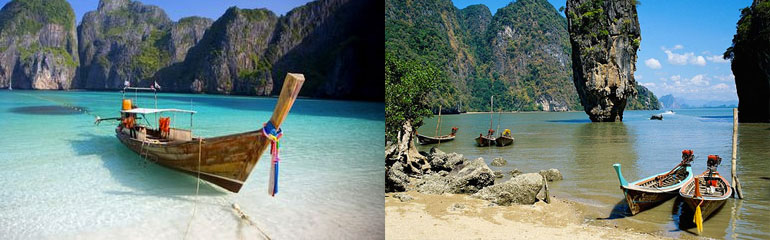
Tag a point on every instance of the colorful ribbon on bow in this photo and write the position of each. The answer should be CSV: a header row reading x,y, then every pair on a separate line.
x,y
274,135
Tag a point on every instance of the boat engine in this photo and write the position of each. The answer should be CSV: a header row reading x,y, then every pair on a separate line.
x,y
687,157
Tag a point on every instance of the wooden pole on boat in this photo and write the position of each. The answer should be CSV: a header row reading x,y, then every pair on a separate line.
x,y
438,125
736,183
291,86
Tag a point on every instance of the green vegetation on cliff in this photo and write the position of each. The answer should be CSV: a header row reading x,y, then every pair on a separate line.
x,y
27,16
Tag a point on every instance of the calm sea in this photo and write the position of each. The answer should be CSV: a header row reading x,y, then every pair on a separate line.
x,y
64,177
585,152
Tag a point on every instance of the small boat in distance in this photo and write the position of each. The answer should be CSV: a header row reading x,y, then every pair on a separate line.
x,y
489,139
225,161
669,112
707,192
653,190
656,117
504,139
422,139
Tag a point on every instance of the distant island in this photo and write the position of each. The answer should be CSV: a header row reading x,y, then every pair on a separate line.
x,y
244,52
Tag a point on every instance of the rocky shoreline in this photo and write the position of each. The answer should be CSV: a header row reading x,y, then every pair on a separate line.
x,y
438,190
438,173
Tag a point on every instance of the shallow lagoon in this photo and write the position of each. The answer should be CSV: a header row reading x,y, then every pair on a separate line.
x,y
64,177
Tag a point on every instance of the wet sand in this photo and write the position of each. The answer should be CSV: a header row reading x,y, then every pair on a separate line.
x,y
458,216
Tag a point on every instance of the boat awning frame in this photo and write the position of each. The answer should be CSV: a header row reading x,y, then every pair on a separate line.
x,y
156,110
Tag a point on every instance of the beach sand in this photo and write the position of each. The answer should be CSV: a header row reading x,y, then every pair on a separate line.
x,y
458,216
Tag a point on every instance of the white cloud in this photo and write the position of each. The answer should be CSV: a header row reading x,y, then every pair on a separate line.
x,y
684,58
720,86
696,87
717,59
652,63
698,80
678,46
726,78
638,77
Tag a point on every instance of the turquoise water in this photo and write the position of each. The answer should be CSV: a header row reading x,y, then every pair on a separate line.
x,y
64,177
585,152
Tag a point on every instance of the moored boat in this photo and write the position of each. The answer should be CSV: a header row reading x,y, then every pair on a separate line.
x,y
422,139
656,117
225,161
488,140
504,139
653,190
707,192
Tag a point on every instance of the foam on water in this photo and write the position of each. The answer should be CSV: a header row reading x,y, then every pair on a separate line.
x,y
63,177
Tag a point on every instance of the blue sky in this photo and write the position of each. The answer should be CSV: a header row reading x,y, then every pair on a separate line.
x,y
682,45
177,9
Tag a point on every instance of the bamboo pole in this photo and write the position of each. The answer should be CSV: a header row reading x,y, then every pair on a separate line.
x,y
736,183
437,125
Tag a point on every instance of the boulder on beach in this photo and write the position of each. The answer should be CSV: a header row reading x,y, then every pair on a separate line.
x,y
552,174
515,172
468,177
522,189
403,197
395,178
498,162
440,160
498,174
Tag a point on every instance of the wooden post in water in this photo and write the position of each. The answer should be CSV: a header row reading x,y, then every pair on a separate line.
x,y
736,183
438,125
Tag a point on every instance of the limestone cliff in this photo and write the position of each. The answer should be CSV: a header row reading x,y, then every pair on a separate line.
x,y
530,50
127,40
604,36
38,44
750,54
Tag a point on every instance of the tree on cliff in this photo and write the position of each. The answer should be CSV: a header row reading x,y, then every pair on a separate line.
x,y
750,55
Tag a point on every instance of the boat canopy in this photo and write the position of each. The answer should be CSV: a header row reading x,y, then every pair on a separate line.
x,y
156,110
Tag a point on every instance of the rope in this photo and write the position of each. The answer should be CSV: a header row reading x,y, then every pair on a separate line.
x,y
197,187
274,135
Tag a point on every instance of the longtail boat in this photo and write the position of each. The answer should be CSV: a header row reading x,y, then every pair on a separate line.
x,y
707,192
225,161
653,190
432,140
422,139
504,139
489,139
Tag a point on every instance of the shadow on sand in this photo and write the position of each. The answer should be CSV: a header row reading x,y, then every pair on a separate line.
x,y
143,177
620,210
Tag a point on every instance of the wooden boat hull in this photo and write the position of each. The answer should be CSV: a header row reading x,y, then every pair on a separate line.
x,y
424,140
485,141
225,161
646,193
504,141
639,200
711,204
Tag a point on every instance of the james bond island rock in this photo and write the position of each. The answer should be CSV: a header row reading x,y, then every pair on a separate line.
x,y
750,54
38,45
605,36
126,40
